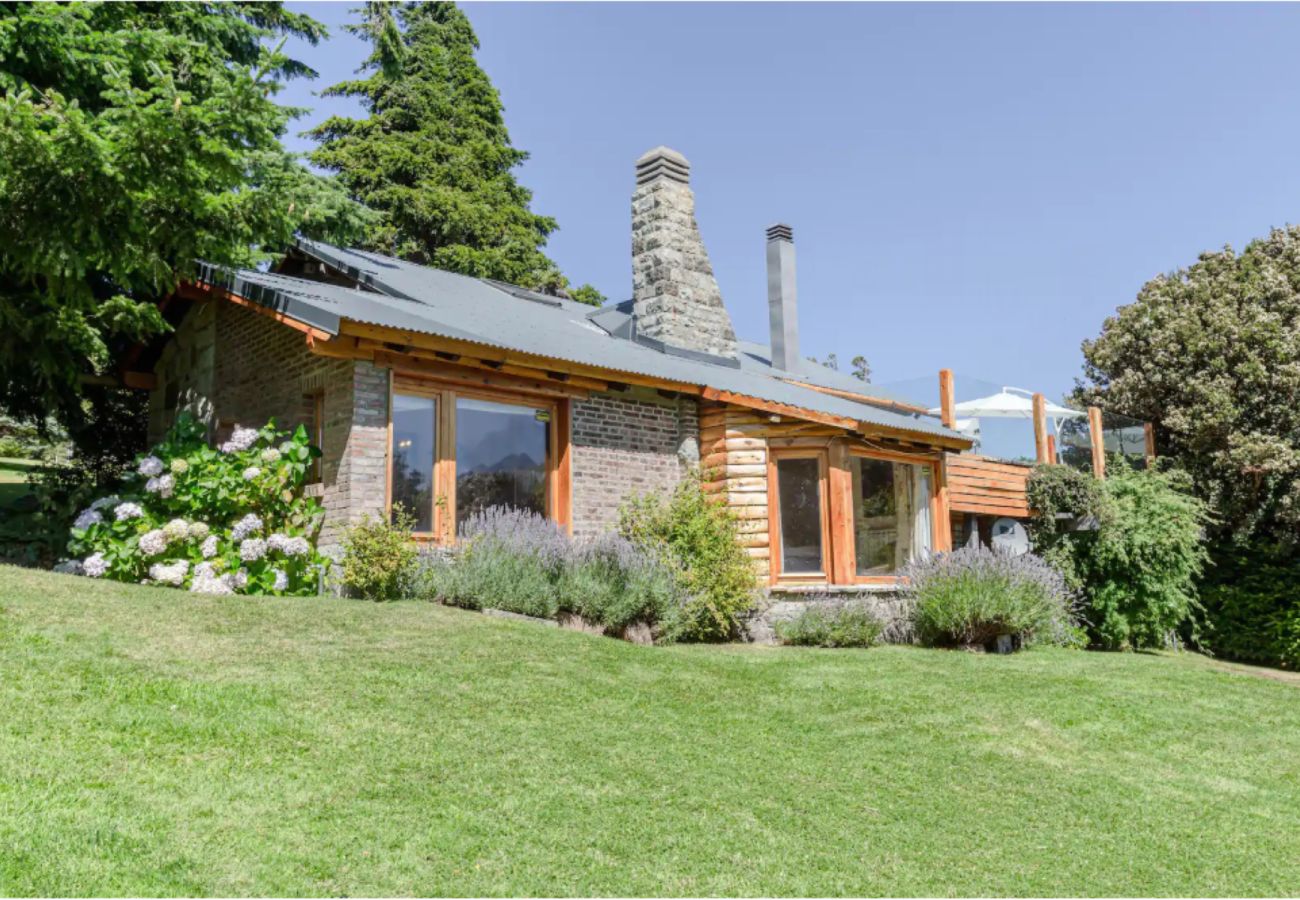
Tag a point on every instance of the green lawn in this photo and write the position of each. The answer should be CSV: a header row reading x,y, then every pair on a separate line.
x,y
153,743
13,480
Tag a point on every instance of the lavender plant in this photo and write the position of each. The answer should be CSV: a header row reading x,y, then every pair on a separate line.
x,y
973,595
517,561
224,520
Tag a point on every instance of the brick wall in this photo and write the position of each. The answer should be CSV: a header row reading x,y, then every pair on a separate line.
x,y
261,370
624,444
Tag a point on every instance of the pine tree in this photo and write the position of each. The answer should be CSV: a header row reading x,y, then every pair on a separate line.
x,y
433,157
134,139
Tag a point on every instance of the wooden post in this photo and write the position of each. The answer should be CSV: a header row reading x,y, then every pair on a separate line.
x,y
1149,431
947,407
1040,428
1098,441
1051,448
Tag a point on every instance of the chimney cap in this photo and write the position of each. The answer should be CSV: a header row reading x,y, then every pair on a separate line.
x,y
662,162
780,232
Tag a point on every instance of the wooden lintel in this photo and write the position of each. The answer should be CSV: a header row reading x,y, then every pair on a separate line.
x,y
487,355
466,377
338,348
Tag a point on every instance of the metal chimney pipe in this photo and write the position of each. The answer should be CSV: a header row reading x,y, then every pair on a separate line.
x,y
781,298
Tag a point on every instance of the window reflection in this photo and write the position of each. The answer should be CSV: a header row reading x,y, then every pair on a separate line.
x,y
413,456
891,514
798,487
500,457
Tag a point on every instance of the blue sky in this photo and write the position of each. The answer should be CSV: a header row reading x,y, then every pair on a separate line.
x,y
973,186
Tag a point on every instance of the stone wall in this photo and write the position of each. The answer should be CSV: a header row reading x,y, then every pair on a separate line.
x,y
260,369
782,605
675,296
624,444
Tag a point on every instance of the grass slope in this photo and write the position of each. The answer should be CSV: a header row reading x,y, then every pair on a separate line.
x,y
157,743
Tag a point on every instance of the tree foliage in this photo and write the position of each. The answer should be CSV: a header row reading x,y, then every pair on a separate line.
x,y
433,156
135,138
1138,553
1211,355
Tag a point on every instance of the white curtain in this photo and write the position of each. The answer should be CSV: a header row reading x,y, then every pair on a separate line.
x,y
921,525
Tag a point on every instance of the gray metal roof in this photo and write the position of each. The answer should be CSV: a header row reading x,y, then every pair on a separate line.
x,y
431,301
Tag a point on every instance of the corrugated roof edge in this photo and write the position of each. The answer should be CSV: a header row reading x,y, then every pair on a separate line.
x,y
280,301
285,302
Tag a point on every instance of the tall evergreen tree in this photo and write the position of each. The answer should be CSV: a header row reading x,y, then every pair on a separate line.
x,y
433,157
135,138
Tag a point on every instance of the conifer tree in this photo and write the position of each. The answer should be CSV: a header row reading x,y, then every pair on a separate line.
x,y
433,156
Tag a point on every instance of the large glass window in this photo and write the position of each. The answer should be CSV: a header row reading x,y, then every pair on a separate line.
x,y
800,497
500,457
891,514
414,449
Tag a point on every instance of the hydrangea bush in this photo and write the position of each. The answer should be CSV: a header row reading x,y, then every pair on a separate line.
x,y
224,520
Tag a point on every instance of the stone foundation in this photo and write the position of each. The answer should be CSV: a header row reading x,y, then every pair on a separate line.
x,y
785,604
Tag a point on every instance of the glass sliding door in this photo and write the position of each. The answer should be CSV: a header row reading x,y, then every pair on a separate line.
x,y
801,515
414,421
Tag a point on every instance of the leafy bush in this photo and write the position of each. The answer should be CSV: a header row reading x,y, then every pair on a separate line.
x,y
380,559
974,594
517,561
509,559
845,625
700,537
225,520
615,583
1137,569
1252,608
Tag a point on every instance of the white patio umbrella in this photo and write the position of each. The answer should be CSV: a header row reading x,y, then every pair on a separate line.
x,y
1009,403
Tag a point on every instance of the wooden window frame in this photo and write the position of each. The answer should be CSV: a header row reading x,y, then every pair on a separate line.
x,y
559,500
850,572
839,550
775,539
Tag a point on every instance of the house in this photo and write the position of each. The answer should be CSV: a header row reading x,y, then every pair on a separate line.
x,y
447,394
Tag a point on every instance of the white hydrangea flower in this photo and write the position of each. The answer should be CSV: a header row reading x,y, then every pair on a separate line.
x,y
246,526
162,485
69,567
179,466
270,456
110,500
128,511
241,579
94,565
209,547
240,439
281,580
86,518
150,466
153,542
177,530
204,569
289,546
210,583
169,573
251,472
199,531
252,549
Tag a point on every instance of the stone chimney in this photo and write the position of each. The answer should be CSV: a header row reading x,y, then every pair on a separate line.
x,y
781,298
675,297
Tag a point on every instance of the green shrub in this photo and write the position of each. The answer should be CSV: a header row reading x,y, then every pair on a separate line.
x,y
380,558
846,625
215,520
974,594
700,537
517,561
507,559
1137,569
615,583
1252,606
